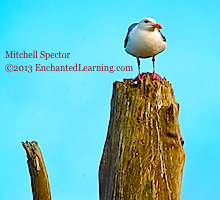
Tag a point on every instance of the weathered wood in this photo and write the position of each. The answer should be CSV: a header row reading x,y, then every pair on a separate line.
x,y
143,157
38,172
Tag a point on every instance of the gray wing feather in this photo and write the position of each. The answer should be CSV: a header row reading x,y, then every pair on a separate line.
x,y
164,39
129,30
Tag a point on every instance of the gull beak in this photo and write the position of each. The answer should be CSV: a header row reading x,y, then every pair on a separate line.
x,y
157,26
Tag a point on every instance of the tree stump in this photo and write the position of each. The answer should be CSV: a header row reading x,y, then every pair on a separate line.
x,y
143,156
38,172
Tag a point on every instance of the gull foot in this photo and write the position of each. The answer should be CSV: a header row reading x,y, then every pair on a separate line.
x,y
140,77
155,76
152,75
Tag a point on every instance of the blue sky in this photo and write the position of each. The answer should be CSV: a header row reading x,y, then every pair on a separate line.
x,y
67,113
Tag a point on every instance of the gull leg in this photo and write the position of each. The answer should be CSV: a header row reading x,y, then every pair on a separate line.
x,y
153,59
139,71
154,75
140,76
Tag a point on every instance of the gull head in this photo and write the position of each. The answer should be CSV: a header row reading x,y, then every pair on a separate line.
x,y
149,24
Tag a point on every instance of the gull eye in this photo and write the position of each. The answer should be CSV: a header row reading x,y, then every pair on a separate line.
x,y
146,21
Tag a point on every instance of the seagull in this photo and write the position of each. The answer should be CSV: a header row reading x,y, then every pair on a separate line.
x,y
145,40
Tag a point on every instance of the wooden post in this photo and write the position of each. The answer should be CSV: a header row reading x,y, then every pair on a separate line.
x,y
143,156
38,172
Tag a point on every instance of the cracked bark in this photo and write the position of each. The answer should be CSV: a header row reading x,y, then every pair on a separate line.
x,y
38,172
143,156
